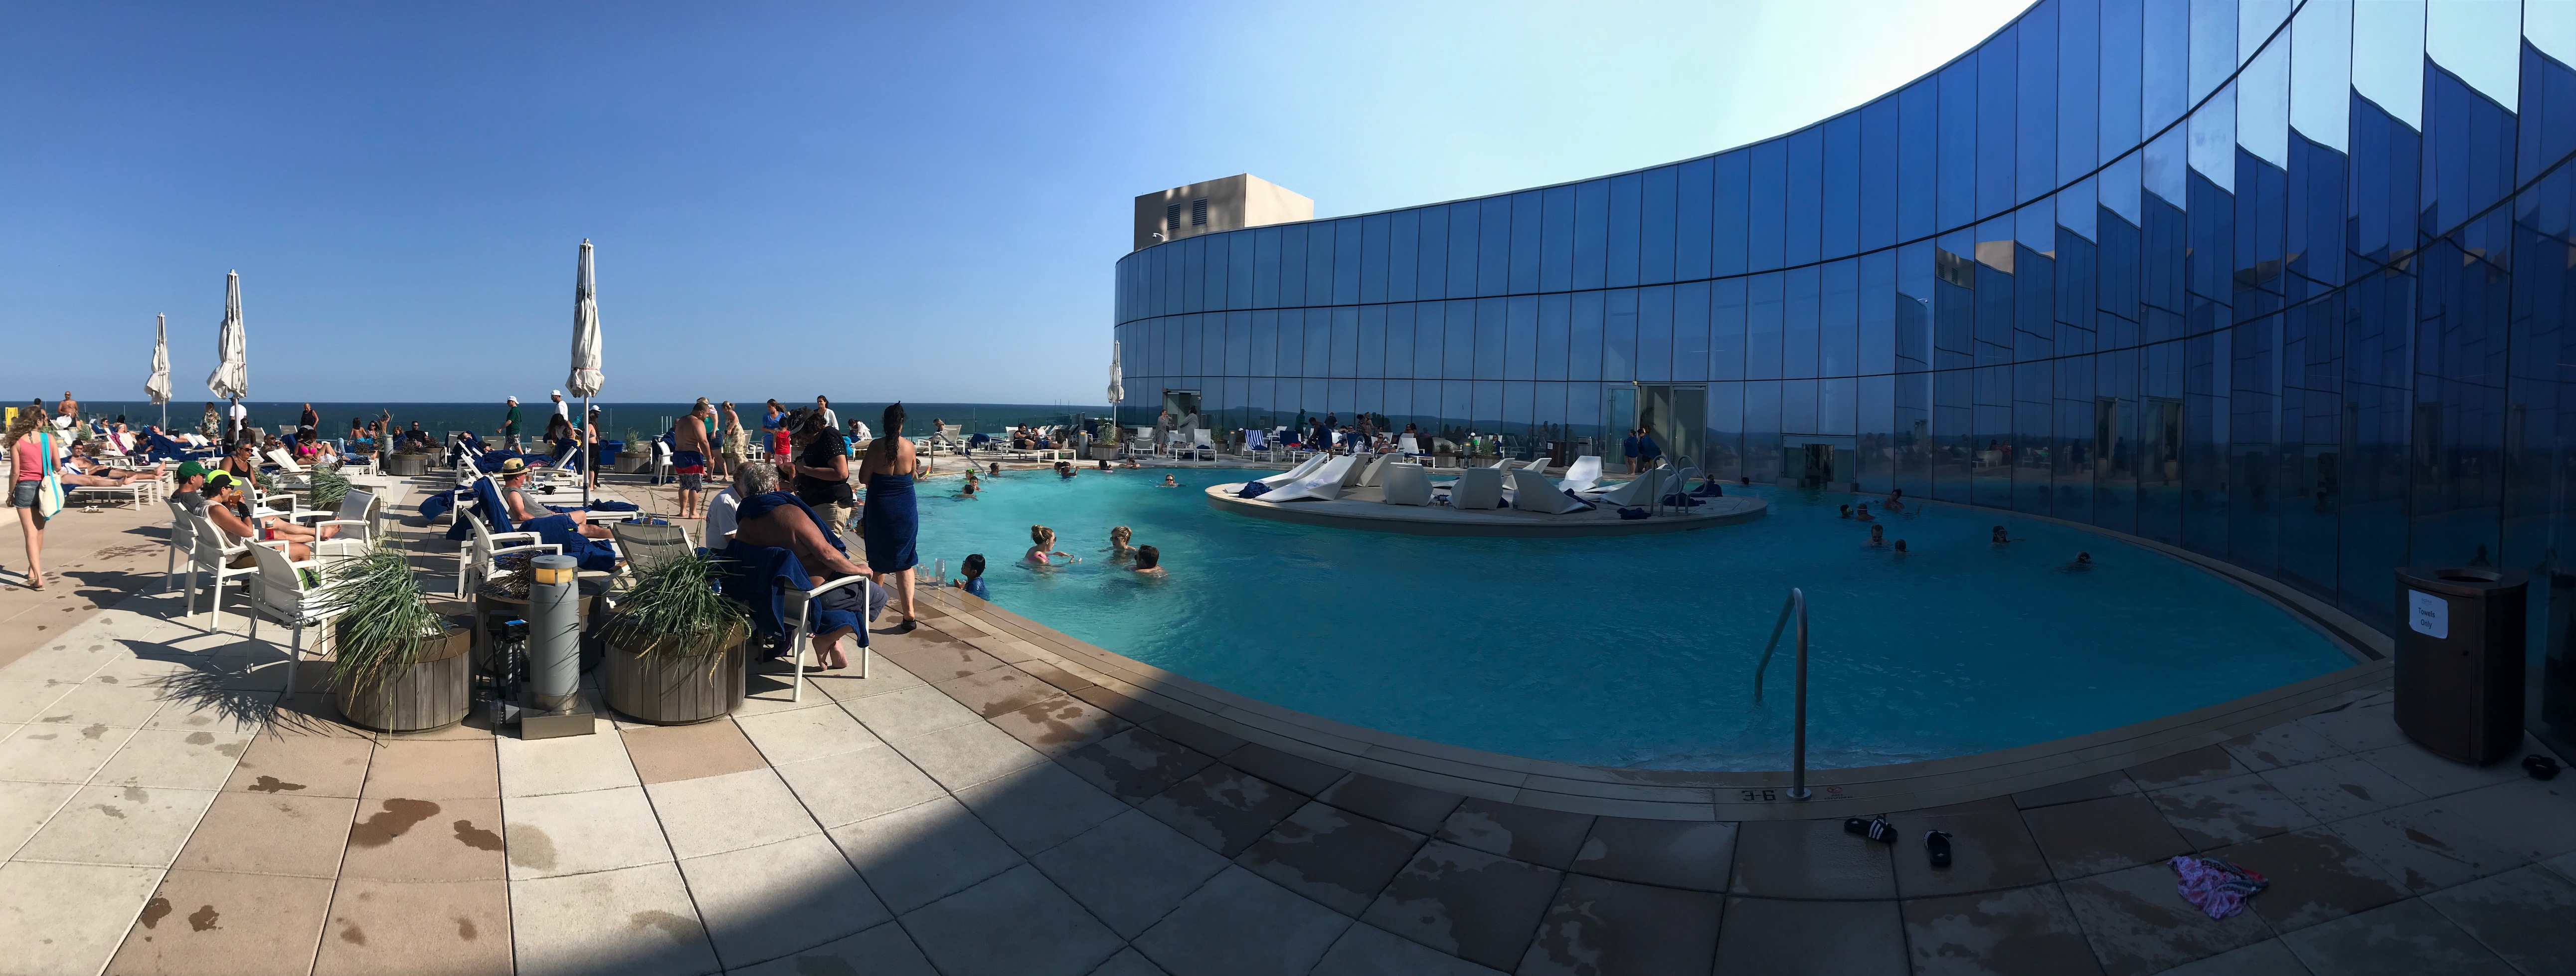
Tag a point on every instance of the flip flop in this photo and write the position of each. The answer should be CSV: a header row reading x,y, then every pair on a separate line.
x,y
1937,844
2540,767
1856,827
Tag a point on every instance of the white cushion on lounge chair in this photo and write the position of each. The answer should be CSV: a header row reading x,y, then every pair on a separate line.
x,y
1375,474
1538,463
1477,488
1357,474
1582,475
1323,485
1532,492
1303,468
1408,444
1408,484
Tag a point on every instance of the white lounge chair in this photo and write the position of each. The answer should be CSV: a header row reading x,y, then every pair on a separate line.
x,y
1532,492
1477,488
1582,475
209,558
1303,468
297,603
1358,473
1375,475
1408,484
1325,484
1643,491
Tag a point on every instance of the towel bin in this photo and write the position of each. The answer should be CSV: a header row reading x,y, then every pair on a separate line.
x,y
2459,680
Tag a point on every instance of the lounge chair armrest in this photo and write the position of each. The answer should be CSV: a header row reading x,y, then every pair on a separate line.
x,y
529,536
543,548
357,522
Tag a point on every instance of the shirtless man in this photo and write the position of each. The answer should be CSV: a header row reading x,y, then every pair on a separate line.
x,y
786,526
689,437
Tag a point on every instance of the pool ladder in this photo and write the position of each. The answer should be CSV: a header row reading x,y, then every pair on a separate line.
x,y
1797,603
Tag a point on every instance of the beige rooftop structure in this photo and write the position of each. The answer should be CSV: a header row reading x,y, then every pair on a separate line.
x,y
1233,203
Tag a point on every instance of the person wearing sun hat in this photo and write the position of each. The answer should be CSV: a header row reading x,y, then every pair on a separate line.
x,y
525,508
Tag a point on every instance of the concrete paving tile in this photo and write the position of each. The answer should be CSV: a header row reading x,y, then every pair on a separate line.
x,y
2357,728
964,755
635,921
807,733
1366,950
2216,813
1054,675
1050,935
885,950
2521,915
220,924
2197,766
714,814
1547,838
1129,962
845,686
1467,903
910,712
2316,877
68,918
936,662
1059,725
854,786
454,928
304,765
1129,871
1404,805
764,902
665,753
1990,848
125,825
2270,957
1598,925
1223,808
1135,764
2526,816
2139,924
1240,923
1189,732
1791,938
426,840
1294,772
2402,939
2339,787
1040,806
571,764
1332,856
2093,836
766,691
264,834
573,833
434,770
2423,846
2095,787
2286,744
920,854
59,753
22,700
193,760
1807,859
2009,931
232,711
998,691
25,807
1696,856
93,703
2433,775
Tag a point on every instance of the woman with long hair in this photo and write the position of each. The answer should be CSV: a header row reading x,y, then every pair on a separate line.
x,y
890,521
30,447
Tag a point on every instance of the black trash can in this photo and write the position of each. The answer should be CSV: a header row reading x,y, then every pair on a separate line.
x,y
2459,660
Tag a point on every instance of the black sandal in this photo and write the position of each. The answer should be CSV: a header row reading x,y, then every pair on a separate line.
x,y
1878,830
2540,767
1937,844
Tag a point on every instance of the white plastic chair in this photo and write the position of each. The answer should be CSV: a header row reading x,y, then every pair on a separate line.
x,y
283,591
800,636
183,537
1477,488
1408,484
210,555
475,557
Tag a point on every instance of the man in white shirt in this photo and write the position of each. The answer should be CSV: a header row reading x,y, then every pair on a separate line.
x,y
749,480
562,409
240,418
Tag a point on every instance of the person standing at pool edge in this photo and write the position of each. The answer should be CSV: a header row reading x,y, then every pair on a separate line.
x,y
890,521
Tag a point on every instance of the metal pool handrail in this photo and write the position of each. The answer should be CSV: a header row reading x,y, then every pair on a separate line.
x,y
1797,602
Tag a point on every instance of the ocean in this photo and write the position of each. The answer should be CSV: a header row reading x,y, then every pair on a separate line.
x,y
618,421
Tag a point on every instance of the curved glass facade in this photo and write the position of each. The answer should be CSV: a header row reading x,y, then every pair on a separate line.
x,y
2284,284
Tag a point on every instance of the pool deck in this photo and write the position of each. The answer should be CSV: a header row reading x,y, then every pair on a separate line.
x,y
1365,509
999,798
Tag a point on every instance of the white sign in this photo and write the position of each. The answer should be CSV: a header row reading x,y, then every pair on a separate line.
x,y
2429,615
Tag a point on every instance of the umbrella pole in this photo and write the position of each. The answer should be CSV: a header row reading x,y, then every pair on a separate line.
x,y
590,455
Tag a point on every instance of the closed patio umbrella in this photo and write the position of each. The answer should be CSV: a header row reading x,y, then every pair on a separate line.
x,y
158,385
586,378
231,378
1117,386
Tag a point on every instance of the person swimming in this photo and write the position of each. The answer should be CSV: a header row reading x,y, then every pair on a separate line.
x,y
1132,465
968,492
997,469
1149,561
1900,547
1064,469
2083,563
1846,511
1171,482
1878,535
1863,514
1118,547
1895,500
2001,537
1042,551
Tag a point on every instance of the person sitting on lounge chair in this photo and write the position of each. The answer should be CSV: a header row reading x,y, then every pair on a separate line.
x,y
230,512
778,520
525,508
84,470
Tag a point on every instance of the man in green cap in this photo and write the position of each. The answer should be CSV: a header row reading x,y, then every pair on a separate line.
x,y
191,493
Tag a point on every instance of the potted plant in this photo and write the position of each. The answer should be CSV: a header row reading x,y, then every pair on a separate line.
x,y
398,665
675,645
329,486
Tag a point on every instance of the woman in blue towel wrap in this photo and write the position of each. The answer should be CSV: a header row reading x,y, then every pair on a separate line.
x,y
889,521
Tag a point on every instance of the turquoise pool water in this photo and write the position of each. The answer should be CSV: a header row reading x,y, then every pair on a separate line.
x,y
1640,651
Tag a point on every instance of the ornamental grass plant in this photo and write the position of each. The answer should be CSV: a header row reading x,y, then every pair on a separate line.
x,y
674,609
383,619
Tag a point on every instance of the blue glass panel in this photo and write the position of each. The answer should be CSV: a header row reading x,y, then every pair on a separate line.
x,y
1801,307
1655,226
1591,233
2123,60
1347,249
1798,408
1457,407
1762,327
1655,334
1527,219
1430,323
1695,219
1876,340
1583,358
1240,246
1619,336
2165,74
1517,405
1549,409
1264,350
1841,194
1726,329
1997,95
1837,405
1194,266
1489,339
1293,345
1431,271
1913,436
1520,361
1690,331
1399,342
1403,255
1345,339
1725,431
1373,243
1372,342
1494,247
1463,241
1626,196
1766,243
1838,336
1918,148
1458,354
1876,434
1955,192
2213,45
1734,202
1803,218
1556,257
2036,79
1762,431
1293,253
1555,318
1193,343
1880,123
2079,88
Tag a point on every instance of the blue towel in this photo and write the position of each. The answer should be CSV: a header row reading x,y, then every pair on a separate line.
x,y
598,505
758,577
437,505
491,461
596,555
1633,514
1252,489
889,523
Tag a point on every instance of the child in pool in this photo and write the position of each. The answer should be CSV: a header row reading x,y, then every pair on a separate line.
x,y
1148,561
1846,511
973,579
1043,550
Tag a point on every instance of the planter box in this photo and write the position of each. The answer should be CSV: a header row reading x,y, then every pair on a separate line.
x,y
1103,452
632,463
406,465
437,691
667,689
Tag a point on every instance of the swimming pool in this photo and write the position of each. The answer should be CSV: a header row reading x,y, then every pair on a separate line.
x,y
1639,651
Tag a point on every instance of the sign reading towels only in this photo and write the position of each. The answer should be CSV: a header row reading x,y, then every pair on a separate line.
x,y
2428,614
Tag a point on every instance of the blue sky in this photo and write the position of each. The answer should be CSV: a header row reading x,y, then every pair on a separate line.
x,y
909,201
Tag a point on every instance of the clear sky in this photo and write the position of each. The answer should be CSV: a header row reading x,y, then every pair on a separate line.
x,y
918,201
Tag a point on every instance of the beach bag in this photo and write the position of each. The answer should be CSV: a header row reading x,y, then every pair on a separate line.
x,y
49,492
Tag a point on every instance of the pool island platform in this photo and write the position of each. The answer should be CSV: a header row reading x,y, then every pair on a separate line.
x,y
1365,508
